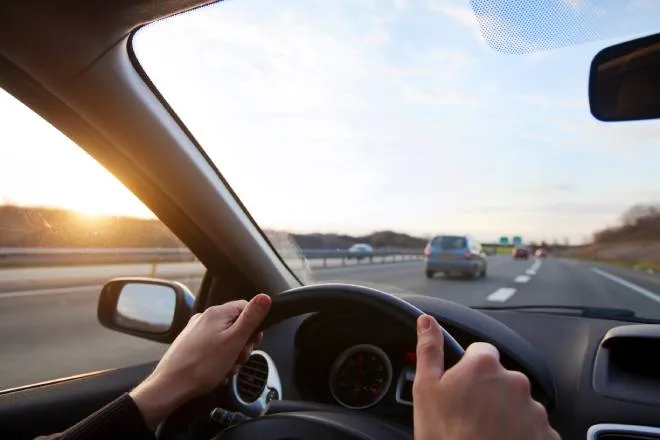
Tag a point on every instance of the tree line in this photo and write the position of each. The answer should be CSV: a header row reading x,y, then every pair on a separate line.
x,y
34,227
639,222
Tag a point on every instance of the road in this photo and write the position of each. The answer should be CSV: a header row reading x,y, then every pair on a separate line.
x,y
50,332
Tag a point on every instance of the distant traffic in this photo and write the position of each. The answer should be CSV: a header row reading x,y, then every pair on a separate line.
x,y
462,255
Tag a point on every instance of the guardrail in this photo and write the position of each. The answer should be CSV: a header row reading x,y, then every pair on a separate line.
x,y
378,256
83,256
73,256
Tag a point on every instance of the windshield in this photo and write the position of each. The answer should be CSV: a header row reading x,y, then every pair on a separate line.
x,y
392,122
448,242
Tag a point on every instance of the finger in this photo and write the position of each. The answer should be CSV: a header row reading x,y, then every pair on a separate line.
x,y
482,355
520,383
194,318
245,354
242,358
257,338
234,308
553,435
539,415
225,314
430,349
250,319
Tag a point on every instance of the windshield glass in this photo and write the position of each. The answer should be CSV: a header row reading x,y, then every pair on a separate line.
x,y
449,242
392,122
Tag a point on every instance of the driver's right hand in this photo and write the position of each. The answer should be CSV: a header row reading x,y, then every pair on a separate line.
x,y
475,399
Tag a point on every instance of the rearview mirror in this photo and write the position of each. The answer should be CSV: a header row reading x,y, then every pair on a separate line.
x,y
148,308
624,82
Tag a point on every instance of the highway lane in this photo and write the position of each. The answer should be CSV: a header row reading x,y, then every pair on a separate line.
x,y
37,278
54,334
584,284
409,277
51,333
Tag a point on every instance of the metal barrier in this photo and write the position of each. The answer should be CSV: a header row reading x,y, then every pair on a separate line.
x,y
378,256
82,256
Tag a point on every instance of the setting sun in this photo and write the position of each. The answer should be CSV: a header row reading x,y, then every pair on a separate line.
x,y
42,167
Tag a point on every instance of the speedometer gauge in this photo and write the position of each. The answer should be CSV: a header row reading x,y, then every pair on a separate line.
x,y
360,376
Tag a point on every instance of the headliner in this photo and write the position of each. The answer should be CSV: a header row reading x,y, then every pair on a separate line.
x,y
53,41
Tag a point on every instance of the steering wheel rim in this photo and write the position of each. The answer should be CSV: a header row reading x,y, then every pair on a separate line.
x,y
328,297
322,297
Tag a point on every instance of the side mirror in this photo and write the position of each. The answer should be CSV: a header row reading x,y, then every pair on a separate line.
x,y
148,308
624,82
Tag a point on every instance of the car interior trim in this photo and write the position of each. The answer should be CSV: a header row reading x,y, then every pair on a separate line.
x,y
407,375
635,431
55,381
273,384
623,368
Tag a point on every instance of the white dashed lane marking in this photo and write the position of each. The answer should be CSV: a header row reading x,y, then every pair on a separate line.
x,y
502,294
521,278
505,293
534,268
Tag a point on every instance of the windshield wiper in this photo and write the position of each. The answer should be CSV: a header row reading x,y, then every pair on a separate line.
x,y
584,311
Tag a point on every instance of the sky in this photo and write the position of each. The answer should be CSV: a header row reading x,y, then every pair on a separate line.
x,y
353,116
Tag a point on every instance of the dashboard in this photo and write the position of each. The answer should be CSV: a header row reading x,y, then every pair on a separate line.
x,y
598,378
353,361
361,376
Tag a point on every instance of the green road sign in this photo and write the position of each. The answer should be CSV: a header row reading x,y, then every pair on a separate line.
x,y
504,241
517,239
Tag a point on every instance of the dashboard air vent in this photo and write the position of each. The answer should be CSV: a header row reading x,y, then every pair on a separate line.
x,y
252,378
613,431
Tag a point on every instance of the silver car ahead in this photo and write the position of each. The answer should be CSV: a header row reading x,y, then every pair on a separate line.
x,y
447,254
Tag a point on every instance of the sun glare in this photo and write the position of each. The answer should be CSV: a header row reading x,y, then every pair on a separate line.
x,y
93,213
42,167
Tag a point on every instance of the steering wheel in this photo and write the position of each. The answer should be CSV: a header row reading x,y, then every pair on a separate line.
x,y
316,421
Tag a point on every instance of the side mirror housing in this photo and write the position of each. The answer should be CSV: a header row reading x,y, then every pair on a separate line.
x,y
148,308
624,81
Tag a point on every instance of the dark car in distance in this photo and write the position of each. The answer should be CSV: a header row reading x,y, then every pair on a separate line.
x,y
520,253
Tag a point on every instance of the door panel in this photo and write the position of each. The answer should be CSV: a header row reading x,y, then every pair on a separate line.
x,y
47,409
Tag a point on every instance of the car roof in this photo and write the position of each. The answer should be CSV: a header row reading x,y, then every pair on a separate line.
x,y
54,41
465,236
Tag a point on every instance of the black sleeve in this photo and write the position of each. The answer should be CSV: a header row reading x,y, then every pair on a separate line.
x,y
118,420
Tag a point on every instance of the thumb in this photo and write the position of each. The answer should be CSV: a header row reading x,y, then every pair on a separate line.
x,y
482,352
251,317
430,349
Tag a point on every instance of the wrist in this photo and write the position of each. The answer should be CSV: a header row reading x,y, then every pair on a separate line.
x,y
157,399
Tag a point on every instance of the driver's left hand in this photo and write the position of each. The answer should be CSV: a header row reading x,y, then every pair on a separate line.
x,y
206,352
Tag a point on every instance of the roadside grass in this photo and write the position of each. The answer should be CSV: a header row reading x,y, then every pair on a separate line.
x,y
630,264
499,250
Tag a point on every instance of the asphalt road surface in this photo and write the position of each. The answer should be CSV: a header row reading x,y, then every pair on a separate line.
x,y
51,332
